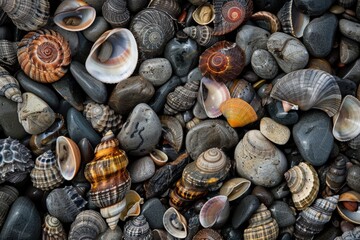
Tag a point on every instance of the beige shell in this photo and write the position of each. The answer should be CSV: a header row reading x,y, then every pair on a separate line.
x,y
175,223
350,196
201,34
235,188
53,229
68,157
275,132
132,208
204,14
9,86
159,157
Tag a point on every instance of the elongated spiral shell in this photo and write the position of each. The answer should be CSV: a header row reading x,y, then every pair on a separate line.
x,y
9,86
116,13
201,34
8,195
87,225
27,15
137,229
8,53
44,55
336,175
53,229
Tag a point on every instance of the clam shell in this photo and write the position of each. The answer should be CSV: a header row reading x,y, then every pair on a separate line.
x,y
132,208
235,188
159,157
53,229
175,223
350,196
112,56
237,112
68,157
9,86
87,225
173,131
204,14
215,212
267,21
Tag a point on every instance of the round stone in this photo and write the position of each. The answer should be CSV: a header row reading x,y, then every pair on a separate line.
x,y
264,195
282,213
156,70
349,50
244,210
277,113
350,29
153,210
141,169
275,132
313,7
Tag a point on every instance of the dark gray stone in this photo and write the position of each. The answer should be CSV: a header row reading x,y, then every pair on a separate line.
x,y
347,87
9,121
153,210
244,210
350,29
156,70
277,113
110,234
282,214
97,28
349,50
313,7
141,169
280,191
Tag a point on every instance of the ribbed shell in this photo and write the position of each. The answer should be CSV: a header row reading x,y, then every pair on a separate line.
x,y
102,117
44,55
309,88
15,160
9,86
87,225
201,34
8,53
53,229
46,174
116,13
137,229
303,182
267,21
312,220
27,15
261,226
173,131
336,175
237,112
171,7
350,235
182,98
8,195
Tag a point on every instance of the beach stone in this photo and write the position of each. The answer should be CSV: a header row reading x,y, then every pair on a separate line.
x,y
313,137
277,113
156,70
350,29
153,210
319,35
280,191
9,121
275,132
313,7
346,86
141,169
269,5
351,72
141,131
349,50
264,64
353,177
96,29
264,195
194,75
23,221
247,206
282,213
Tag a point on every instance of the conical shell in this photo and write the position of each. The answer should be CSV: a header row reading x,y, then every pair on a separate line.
x,y
8,53
175,223
116,13
201,34
171,7
336,175
303,182
68,157
87,225
9,86
137,229
53,229
237,112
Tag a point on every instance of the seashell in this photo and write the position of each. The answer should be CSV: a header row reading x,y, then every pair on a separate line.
x,y
112,57
208,234
102,117
68,157
87,225
215,212
237,112
8,195
116,13
175,223
311,221
109,178
27,15
65,203
132,209
46,174
211,95
293,21
137,228
275,132
235,188
74,15
159,157
346,3
192,123
349,235
204,14
152,30
9,86
264,64
201,34
15,160
230,14
303,183
346,120
349,197
173,132
44,55
53,229
8,55
309,88
262,225
240,88
222,62
171,7
336,175
267,21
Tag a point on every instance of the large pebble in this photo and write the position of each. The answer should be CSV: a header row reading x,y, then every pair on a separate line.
x,y
264,64
130,92
141,131
153,210
110,234
23,221
319,35
244,210
277,113
351,72
275,132
350,29
141,169
208,134
349,50
282,213
313,137
9,121
264,195
98,27
156,70
313,7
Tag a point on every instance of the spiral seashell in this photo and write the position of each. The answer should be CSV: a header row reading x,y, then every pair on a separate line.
x,y
109,178
175,223
53,229
303,182
102,117
182,98
171,7
173,131
215,212
68,157
350,235
8,53
262,225
336,175
267,21
201,34
311,221
230,14
351,198
15,160
309,88
27,15
152,30
137,228
87,225
112,56
207,233
9,86
204,14
235,188
44,55
237,112
222,62
116,13
8,195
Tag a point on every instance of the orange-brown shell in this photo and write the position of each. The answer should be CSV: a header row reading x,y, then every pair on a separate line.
x,y
222,62
44,55
182,195
267,20
237,112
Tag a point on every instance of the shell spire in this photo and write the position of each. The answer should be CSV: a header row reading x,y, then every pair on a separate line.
x,y
9,86
336,176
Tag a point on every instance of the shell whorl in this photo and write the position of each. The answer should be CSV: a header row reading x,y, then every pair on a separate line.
x,y
116,13
137,228
336,175
201,34
9,86
8,53
53,229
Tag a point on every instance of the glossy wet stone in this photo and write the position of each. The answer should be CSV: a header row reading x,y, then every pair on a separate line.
x,y
9,121
98,27
349,50
282,213
156,70
230,233
264,195
313,7
244,210
346,86
313,137
353,178
153,210
280,191
141,169
350,29
277,113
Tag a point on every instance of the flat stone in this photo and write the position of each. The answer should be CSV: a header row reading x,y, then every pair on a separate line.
x,y
313,7
244,210
350,29
275,132
282,213
9,121
349,50
153,210
156,70
141,169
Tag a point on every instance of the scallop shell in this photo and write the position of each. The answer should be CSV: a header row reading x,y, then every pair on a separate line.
x,y
303,182
173,131
137,228
171,7
235,188
267,21
237,112
68,157
113,56
204,14
8,53
350,216
74,15
336,175
116,13
44,55
9,86
309,88
53,229
87,225
215,212
175,223
8,195
201,34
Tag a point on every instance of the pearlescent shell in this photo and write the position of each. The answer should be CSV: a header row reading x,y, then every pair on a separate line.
x,y
237,112
137,228
350,196
74,15
9,86
235,188
267,21
87,225
215,212
204,14
44,55
309,88
175,223
120,63
173,131
275,132
116,13
53,229
303,182
159,157
68,157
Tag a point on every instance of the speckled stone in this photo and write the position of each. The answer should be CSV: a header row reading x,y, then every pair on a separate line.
x,y
244,210
350,29
156,70
153,210
9,121
141,169
282,213
353,177
313,7
141,131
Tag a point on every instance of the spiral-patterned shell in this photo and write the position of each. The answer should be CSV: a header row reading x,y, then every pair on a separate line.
x,y
9,86
53,229
44,55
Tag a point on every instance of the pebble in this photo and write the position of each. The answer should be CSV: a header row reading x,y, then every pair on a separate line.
x,y
275,132
353,178
141,131
282,213
351,72
264,64
313,137
247,206
110,234
98,27
280,191
277,113
350,29
141,169
349,50
347,87
156,70
153,210
9,121
313,7
264,195
319,35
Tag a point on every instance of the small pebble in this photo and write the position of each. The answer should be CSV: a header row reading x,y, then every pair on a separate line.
x,y
141,169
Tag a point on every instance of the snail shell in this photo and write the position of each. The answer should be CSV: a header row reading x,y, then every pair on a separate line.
x,y
345,213
87,225
137,228
8,53
8,195
9,86
44,55
204,14
116,13
237,112
235,188
175,223
267,21
171,7
173,131
53,229
201,34
132,209
336,175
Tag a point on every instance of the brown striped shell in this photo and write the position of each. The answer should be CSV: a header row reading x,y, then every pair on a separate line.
x,y
9,86
53,229
44,55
